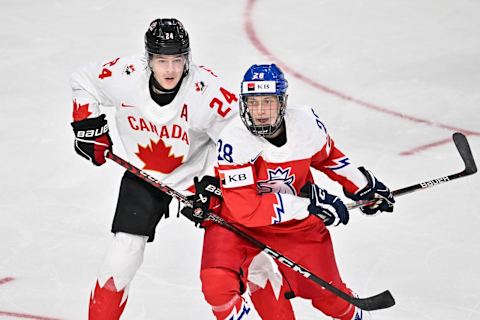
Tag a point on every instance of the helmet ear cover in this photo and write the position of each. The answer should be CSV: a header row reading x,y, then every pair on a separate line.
x,y
260,80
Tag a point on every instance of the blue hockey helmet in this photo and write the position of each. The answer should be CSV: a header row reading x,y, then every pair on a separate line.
x,y
260,80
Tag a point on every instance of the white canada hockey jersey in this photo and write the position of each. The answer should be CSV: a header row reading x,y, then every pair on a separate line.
x,y
260,182
175,142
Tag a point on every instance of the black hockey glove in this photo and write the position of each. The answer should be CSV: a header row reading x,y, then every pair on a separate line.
x,y
328,207
208,196
92,139
375,190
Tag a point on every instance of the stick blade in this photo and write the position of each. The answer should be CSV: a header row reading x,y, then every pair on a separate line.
x,y
465,152
380,301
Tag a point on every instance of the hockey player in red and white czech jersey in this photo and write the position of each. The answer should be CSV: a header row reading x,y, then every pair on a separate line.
x,y
265,157
169,113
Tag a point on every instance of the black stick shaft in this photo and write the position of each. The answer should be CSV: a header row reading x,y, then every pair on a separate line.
x,y
380,301
465,152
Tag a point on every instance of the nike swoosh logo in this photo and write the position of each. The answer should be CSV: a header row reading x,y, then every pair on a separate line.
x,y
255,158
124,105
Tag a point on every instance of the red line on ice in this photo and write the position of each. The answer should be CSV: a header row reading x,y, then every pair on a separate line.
x,y
24,316
20,315
424,147
252,35
5,280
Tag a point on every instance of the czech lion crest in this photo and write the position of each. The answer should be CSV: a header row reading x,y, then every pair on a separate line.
x,y
279,181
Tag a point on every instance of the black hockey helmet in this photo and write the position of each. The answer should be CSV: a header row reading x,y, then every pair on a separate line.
x,y
166,36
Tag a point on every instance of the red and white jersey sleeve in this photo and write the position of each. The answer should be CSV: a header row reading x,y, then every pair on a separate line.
x,y
174,142
260,182
336,165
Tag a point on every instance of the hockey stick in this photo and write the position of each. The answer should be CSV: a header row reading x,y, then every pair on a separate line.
x,y
470,168
379,301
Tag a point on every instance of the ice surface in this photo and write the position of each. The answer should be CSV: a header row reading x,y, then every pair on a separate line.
x,y
392,80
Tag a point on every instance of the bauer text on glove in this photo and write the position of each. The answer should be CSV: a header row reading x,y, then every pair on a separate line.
x,y
207,197
92,139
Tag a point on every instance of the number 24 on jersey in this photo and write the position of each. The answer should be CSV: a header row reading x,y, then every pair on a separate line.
x,y
219,105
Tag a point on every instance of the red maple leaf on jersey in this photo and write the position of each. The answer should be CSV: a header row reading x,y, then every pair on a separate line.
x,y
157,156
80,111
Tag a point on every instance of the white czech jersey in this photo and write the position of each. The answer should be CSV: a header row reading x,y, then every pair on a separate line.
x,y
174,142
260,181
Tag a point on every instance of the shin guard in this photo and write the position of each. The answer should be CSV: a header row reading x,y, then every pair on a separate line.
x,y
123,258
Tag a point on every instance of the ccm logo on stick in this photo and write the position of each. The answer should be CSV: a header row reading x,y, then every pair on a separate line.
x,y
236,177
287,262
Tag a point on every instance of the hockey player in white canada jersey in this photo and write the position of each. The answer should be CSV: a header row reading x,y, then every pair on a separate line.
x,y
169,113
264,162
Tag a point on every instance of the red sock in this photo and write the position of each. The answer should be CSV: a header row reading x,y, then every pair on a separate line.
x,y
106,302
235,309
267,305
221,288
335,307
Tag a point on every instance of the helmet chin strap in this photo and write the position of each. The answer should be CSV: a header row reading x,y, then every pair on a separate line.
x,y
278,130
279,137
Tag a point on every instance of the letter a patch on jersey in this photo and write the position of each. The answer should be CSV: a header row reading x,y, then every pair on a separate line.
x,y
234,178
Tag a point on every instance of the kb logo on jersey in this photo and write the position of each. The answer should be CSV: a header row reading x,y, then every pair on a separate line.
x,y
234,178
